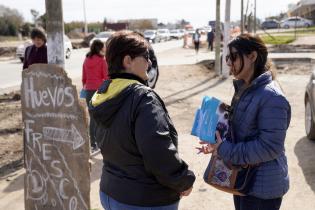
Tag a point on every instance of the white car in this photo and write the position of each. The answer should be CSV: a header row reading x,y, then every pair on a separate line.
x,y
20,50
176,34
151,36
164,33
103,36
293,22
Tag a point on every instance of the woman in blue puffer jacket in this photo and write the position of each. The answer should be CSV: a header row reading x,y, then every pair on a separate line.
x,y
261,117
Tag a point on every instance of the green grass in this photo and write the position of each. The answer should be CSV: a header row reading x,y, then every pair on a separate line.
x,y
278,40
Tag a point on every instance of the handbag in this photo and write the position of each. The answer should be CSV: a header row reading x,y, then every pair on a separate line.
x,y
235,179
229,178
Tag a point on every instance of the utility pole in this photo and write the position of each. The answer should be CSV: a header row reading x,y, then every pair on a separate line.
x,y
255,19
227,26
217,64
242,16
85,23
55,32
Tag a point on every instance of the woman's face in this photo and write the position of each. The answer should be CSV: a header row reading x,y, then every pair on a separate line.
x,y
38,42
233,60
139,65
103,51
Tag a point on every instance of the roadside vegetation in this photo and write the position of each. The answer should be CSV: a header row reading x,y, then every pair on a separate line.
x,y
278,40
8,38
310,30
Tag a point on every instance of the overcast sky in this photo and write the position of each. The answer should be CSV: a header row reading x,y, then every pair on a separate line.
x,y
198,12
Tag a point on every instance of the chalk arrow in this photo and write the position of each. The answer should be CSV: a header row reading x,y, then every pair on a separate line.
x,y
64,135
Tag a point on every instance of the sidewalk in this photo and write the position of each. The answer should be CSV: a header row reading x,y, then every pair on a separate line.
x,y
304,40
175,56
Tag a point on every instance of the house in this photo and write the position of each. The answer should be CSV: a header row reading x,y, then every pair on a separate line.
x,y
304,8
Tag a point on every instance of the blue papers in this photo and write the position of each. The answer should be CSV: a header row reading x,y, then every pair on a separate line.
x,y
211,117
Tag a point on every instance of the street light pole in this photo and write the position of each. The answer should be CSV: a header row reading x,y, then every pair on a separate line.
x,y
85,23
55,32
255,18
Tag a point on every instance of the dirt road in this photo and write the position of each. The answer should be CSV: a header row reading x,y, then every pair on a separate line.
x,y
182,88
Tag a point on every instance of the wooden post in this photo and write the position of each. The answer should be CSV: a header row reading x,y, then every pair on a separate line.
x,y
225,68
217,39
55,33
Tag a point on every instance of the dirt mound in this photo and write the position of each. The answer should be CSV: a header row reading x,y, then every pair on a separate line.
x,y
11,150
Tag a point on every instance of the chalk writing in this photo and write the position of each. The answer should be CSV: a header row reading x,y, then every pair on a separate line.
x,y
56,141
55,97
52,115
64,135
46,75
43,176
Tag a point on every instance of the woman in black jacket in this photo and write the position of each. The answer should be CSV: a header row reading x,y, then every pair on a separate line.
x,y
138,141
36,53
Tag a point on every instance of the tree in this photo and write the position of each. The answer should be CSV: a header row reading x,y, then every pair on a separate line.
x,y
73,25
35,14
182,23
10,21
144,24
42,20
25,29
95,27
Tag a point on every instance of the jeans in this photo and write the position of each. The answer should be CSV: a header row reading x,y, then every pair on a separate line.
x,y
89,95
253,203
109,203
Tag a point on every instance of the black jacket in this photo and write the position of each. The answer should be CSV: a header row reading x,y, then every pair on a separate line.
x,y
138,142
35,55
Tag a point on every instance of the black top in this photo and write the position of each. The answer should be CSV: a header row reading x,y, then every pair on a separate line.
x,y
35,55
138,142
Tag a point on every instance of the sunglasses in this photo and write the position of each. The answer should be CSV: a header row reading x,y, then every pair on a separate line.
x,y
146,56
232,56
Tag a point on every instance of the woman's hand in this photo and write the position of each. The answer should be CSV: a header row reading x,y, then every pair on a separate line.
x,y
186,192
210,148
206,148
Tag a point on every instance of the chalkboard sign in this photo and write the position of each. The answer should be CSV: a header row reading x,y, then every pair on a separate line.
x,y
56,144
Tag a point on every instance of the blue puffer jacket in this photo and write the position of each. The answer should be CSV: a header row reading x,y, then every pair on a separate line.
x,y
260,120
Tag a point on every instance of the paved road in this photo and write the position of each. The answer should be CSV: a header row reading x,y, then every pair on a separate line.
x,y
167,54
10,70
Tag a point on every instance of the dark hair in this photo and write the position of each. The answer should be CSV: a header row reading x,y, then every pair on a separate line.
x,y
246,44
121,44
37,33
139,33
96,46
